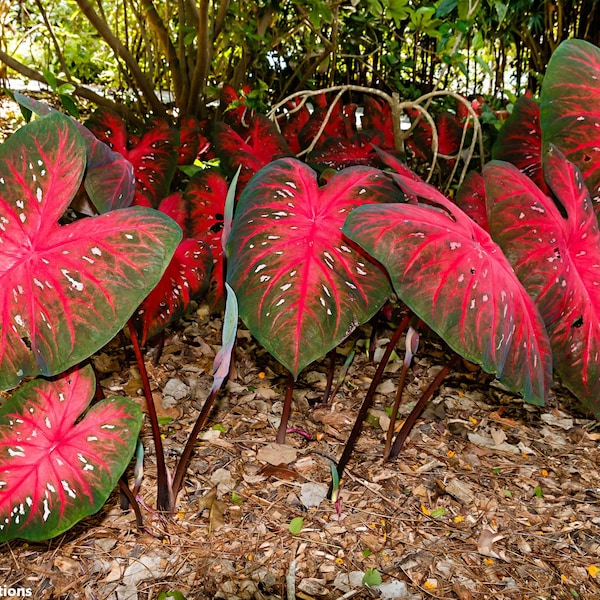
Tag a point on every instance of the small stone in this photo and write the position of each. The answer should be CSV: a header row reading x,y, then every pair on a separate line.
x,y
175,388
312,494
393,590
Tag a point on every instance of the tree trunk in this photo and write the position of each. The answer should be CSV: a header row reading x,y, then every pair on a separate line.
x,y
180,83
123,53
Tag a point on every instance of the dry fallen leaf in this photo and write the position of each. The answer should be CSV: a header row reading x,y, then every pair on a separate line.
x,y
312,494
485,542
277,454
460,490
215,508
280,472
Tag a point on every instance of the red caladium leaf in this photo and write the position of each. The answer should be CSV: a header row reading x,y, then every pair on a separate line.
x,y
262,144
65,291
153,156
302,288
391,161
291,122
189,140
449,132
236,112
419,142
448,270
339,124
570,109
199,211
558,261
462,112
378,116
198,260
55,467
204,199
338,153
470,198
520,140
109,179
186,279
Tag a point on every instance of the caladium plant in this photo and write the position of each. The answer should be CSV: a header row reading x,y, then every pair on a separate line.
x,y
154,154
556,255
470,197
253,148
109,180
66,290
59,461
197,266
187,277
301,287
570,113
448,271
520,140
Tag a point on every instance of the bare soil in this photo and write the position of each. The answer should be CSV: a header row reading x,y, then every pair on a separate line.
x,y
490,497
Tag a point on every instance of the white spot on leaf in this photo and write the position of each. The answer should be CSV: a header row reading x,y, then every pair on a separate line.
x,y
47,512
77,285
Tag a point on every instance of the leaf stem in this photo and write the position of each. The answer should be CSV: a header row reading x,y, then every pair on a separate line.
x,y
368,401
419,406
287,409
330,371
164,495
189,446
124,486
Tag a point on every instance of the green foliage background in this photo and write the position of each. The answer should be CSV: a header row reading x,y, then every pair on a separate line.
x,y
191,47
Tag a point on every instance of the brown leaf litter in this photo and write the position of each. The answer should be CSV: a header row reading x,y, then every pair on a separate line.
x,y
489,499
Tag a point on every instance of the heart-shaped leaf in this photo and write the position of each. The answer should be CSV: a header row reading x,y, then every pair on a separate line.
x,y
186,279
291,122
189,140
470,198
378,116
204,200
558,261
520,140
109,178
301,287
153,156
55,466
340,122
234,105
65,291
340,152
449,132
261,143
199,211
570,109
452,275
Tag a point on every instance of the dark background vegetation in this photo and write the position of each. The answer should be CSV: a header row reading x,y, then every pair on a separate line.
x,y
130,48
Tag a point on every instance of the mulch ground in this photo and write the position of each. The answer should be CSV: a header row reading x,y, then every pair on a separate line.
x,y
490,497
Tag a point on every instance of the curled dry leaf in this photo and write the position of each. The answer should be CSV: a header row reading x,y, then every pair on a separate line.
x,y
485,544
215,509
